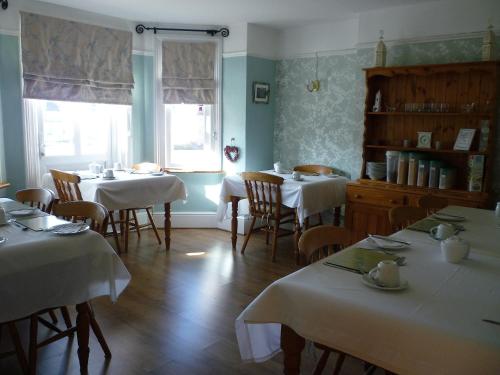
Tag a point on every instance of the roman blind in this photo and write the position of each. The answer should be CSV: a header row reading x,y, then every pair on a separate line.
x,y
188,72
73,61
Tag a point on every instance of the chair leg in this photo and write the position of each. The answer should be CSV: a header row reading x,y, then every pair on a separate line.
x,y
66,317
320,366
127,228
137,229
338,364
320,219
21,356
98,333
53,316
121,215
275,239
247,237
33,343
267,236
151,221
306,223
115,233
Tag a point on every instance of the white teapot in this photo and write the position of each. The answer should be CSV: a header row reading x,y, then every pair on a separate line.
x,y
454,249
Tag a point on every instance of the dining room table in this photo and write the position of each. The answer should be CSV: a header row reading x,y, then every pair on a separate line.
x,y
129,189
445,321
312,194
40,270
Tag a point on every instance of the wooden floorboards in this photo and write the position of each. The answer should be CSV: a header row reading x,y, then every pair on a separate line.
x,y
177,315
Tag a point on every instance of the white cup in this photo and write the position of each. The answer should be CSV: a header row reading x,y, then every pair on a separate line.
x,y
277,167
444,231
454,249
386,274
3,216
108,173
117,166
296,175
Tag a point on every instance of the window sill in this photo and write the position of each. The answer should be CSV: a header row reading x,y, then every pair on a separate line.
x,y
185,170
4,185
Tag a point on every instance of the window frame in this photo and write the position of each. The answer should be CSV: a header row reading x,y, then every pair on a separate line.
x,y
161,127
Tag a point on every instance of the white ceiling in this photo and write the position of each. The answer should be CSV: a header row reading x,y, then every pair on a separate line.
x,y
273,13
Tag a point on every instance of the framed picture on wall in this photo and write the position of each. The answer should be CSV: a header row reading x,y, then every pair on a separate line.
x,y
261,92
464,139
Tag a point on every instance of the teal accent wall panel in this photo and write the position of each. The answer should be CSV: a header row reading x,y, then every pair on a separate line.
x,y
12,113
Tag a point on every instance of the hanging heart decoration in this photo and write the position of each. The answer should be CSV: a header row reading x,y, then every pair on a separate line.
x,y
232,153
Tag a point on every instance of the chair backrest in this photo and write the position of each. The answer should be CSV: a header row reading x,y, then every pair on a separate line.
x,y
264,193
401,217
66,185
146,167
38,197
313,168
321,241
95,212
432,203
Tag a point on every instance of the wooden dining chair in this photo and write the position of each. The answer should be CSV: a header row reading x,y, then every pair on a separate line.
x,y
96,215
264,197
38,197
315,244
402,216
316,169
313,168
432,203
128,217
68,190
18,347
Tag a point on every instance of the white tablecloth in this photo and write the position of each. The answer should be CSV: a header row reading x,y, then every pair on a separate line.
x,y
39,270
128,190
433,327
313,195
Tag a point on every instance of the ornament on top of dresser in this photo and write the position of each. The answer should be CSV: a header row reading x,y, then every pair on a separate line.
x,y
231,152
314,85
377,106
380,51
488,48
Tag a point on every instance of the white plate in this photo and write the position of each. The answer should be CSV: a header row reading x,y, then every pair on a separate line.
x,y
23,212
386,244
445,217
368,281
157,174
331,175
69,229
2,239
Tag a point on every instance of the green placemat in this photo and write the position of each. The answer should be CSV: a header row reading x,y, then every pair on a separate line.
x,y
424,225
358,260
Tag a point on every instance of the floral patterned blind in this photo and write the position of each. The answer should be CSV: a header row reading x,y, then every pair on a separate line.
x,y
73,61
188,72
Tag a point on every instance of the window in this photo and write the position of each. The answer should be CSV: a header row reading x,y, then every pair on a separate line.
x,y
70,135
188,135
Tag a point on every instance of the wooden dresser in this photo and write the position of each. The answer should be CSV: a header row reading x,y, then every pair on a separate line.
x,y
427,88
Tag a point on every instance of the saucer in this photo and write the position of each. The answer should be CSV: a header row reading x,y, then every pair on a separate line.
x,y
23,212
297,179
109,178
446,217
157,174
368,281
331,175
2,239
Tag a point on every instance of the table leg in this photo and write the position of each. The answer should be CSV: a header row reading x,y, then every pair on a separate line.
x,y
167,226
234,220
292,346
297,234
82,331
336,216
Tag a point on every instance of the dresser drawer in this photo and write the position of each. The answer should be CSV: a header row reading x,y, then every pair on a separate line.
x,y
356,194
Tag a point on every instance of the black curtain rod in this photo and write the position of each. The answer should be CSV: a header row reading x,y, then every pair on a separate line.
x,y
212,32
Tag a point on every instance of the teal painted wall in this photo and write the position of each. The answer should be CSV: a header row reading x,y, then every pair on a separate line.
x,y
10,93
234,88
260,117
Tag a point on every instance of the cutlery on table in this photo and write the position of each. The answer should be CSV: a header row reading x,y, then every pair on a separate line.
x,y
19,225
491,321
388,239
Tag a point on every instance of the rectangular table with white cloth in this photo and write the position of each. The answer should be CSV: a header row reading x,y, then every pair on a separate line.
x,y
130,190
435,326
312,195
41,270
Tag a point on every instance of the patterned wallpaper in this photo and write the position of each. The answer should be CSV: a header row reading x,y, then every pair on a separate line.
x,y
326,127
